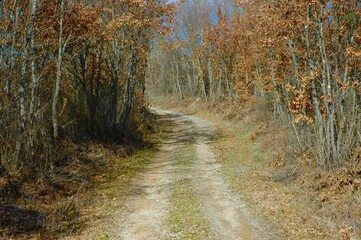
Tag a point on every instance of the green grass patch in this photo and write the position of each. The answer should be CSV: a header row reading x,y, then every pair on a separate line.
x,y
185,157
186,219
113,186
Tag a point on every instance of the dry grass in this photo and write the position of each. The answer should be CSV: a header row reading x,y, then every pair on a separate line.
x,y
260,162
110,192
86,182
112,185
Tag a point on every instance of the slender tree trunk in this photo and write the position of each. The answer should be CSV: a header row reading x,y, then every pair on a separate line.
x,y
128,103
201,79
22,84
219,88
177,80
190,83
12,50
58,72
211,80
294,57
228,85
21,94
32,64
326,76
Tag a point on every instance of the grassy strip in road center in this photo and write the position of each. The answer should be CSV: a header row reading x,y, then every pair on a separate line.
x,y
186,218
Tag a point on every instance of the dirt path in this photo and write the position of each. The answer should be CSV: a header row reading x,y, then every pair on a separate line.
x,y
182,194
146,208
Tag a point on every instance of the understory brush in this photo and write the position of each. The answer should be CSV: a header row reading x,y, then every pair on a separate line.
x,y
50,200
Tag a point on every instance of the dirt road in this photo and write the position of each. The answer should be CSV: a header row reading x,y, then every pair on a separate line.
x,y
182,194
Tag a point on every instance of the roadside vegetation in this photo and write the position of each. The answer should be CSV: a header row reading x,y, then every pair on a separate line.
x,y
300,60
73,106
109,191
261,163
289,73
72,94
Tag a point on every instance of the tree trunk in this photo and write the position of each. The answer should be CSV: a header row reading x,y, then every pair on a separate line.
x,y
202,84
32,64
58,72
177,79
128,94
211,81
13,44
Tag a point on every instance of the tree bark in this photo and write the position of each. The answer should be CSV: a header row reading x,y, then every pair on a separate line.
x,y
34,81
58,72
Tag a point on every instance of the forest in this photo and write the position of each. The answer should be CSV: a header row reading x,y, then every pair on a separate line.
x,y
300,59
71,70
81,72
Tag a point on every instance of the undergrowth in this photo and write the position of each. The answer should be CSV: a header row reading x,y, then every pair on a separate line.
x,y
51,202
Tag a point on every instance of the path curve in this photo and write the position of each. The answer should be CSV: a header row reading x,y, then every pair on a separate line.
x,y
146,212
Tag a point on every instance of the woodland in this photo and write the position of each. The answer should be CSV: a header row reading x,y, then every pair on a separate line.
x,y
300,59
78,71
71,72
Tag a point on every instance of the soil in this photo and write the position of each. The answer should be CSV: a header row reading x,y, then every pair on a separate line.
x,y
147,211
